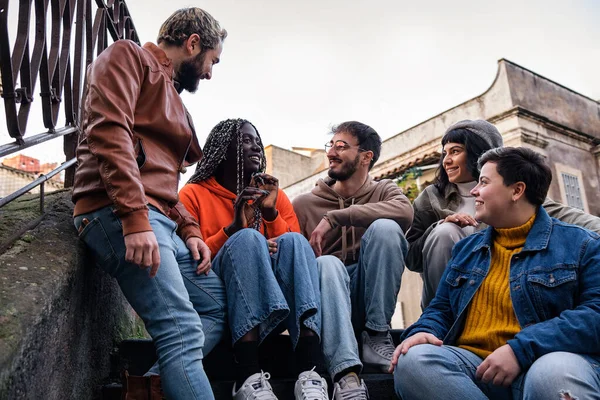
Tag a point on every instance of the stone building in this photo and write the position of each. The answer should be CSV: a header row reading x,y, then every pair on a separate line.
x,y
528,109
20,170
289,166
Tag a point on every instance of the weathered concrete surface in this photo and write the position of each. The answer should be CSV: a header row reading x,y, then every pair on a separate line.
x,y
60,316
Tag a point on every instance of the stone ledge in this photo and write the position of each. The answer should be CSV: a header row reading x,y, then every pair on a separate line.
x,y
60,316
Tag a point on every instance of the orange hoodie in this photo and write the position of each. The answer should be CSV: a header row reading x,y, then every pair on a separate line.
x,y
212,206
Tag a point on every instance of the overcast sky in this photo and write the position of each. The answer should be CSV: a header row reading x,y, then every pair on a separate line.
x,y
294,68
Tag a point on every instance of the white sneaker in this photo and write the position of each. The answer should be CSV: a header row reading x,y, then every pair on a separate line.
x,y
310,386
255,387
377,351
350,387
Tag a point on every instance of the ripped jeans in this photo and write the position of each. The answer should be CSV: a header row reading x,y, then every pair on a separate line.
x,y
447,372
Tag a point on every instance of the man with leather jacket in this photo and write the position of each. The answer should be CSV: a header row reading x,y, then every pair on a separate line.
x,y
136,138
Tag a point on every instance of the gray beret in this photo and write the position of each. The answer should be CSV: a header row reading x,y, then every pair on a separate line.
x,y
481,128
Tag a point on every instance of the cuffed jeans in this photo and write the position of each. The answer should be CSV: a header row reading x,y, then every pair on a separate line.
x,y
365,295
266,291
437,251
447,372
163,302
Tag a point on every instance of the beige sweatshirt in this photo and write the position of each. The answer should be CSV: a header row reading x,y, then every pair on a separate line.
x,y
350,217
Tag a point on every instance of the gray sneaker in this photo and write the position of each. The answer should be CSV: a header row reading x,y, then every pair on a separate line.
x,y
377,350
255,387
350,387
310,386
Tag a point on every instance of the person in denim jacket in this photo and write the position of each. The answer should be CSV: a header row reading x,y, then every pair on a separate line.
x,y
444,210
517,313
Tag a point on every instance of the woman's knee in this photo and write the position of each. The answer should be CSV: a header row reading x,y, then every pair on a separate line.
x,y
245,247
293,239
556,373
411,366
246,235
445,235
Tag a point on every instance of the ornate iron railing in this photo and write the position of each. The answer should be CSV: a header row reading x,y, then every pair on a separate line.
x,y
64,41
59,60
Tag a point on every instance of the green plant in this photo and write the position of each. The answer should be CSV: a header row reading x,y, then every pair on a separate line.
x,y
408,183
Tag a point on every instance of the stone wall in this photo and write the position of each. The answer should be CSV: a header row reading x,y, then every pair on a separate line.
x,y
60,316
291,166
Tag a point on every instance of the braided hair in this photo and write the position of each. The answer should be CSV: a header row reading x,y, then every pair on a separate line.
x,y
215,152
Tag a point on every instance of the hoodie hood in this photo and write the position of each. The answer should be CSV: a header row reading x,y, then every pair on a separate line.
x,y
323,189
214,187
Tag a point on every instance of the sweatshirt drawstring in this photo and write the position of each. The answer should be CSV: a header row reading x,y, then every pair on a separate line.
x,y
353,239
344,241
344,233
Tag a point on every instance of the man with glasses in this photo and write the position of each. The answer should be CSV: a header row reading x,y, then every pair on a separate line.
x,y
356,227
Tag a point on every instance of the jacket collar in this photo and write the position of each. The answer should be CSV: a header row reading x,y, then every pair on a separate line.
x,y
538,237
451,190
160,56
452,196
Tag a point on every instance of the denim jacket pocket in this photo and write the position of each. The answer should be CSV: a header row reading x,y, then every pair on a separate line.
x,y
95,238
456,277
553,289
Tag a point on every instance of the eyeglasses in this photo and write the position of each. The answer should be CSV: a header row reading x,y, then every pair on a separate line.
x,y
340,146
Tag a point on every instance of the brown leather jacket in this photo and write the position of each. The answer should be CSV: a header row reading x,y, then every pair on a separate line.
x,y
136,138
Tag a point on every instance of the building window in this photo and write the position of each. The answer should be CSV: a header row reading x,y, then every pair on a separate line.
x,y
572,191
570,181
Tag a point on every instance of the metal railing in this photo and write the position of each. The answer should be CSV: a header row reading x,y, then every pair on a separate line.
x,y
55,41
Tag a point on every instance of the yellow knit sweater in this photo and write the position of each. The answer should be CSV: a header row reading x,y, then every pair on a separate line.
x,y
491,319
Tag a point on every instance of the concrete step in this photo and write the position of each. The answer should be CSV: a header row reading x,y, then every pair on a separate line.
x,y
276,357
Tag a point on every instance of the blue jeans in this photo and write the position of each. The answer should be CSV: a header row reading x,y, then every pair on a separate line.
x,y
375,279
447,372
163,302
269,291
338,342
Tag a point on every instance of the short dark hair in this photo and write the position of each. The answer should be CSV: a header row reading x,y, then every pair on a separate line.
x,y
475,146
520,164
368,139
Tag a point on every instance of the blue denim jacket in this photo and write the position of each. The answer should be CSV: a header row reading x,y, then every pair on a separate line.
x,y
554,287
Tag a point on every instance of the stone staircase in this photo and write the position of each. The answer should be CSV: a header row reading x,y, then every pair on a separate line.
x,y
138,355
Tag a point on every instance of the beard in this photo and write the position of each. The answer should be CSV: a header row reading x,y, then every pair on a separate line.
x,y
347,169
188,75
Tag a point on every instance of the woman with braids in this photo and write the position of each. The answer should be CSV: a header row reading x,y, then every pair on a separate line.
x,y
269,270
444,211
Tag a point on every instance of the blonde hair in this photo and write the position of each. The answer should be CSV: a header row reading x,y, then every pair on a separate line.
x,y
185,22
